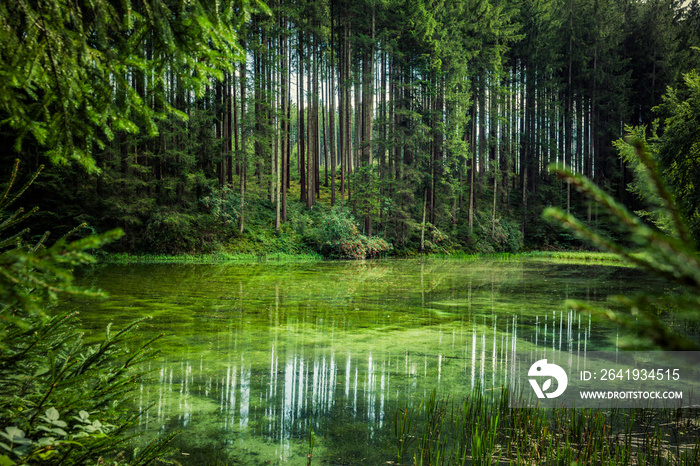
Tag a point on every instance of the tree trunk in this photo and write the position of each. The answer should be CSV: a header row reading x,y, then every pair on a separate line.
x,y
301,131
331,112
243,162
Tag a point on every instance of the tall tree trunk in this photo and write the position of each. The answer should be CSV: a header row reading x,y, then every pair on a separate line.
x,y
243,162
284,121
230,111
331,114
422,225
367,123
310,142
381,137
342,114
324,120
357,135
316,191
218,129
300,115
473,142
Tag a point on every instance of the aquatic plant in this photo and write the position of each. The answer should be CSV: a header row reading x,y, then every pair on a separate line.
x,y
310,449
482,429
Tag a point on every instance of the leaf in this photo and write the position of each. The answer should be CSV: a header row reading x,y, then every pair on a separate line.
x,y
59,431
5,461
52,414
43,441
14,435
546,385
47,454
83,415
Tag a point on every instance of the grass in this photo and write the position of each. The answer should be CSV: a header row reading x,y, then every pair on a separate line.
x,y
588,256
482,429
282,257
218,258
563,256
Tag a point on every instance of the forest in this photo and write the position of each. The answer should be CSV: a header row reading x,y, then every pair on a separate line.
x,y
360,128
238,129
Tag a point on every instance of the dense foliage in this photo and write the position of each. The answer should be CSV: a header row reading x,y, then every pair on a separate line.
x,y
76,73
418,117
679,147
63,401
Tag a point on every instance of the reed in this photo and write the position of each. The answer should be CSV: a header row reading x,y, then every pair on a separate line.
x,y
482,429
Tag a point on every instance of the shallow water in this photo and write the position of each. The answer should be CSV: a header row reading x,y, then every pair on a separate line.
x,y
256,357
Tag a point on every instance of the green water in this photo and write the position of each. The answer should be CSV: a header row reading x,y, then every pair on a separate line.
x,y
256,357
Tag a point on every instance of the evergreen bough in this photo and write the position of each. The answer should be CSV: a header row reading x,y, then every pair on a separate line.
x,y
73,73
669,254
62,400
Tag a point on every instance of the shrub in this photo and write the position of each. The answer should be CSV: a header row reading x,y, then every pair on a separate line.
x,y
63,401
169,231
224,206
338,237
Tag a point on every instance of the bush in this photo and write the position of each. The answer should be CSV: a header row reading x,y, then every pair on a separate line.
x,y
224,206
170,231
339,238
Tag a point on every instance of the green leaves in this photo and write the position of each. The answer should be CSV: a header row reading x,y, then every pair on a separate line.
x,y
29,450
53,383
14,436
338,237
679,148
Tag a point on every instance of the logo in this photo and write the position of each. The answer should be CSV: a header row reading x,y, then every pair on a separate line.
x,y
542,369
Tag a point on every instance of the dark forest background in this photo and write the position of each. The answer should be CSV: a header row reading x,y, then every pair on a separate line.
x,y
357,128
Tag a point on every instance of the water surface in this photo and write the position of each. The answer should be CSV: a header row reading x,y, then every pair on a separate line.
x,y
256,357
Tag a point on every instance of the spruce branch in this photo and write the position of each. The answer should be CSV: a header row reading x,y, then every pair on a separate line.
x,y
642,150
670,257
